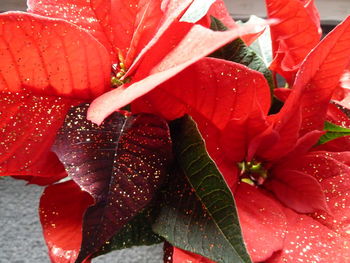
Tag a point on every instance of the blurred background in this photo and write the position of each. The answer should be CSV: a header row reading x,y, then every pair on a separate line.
x,y
21,239
331,11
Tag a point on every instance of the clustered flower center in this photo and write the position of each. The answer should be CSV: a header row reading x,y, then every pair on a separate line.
x,y
252,173
118,72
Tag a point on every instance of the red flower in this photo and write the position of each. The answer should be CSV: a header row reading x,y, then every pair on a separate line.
x,y
145,55
292,198
48,64
53,63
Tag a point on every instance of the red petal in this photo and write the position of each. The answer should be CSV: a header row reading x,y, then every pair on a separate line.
x,y
323,165
61,212
318,77
316,80
219,11
331,170
93,16
339,204
172,11
308,241
182,256
51,171
143,25
303,146
297,33
337,116
216,89
28,126
50,57
282,93
140,19
297,190
263,222
272,148
160,64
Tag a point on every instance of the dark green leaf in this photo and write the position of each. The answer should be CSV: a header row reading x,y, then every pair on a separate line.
x,y
237,51
200,214
333,132
121,164
262,46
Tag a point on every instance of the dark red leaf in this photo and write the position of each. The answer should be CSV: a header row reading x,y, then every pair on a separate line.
x,y
121,164
168,252
61,211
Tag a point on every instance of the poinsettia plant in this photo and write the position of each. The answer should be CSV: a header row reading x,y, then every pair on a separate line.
x,y
152,121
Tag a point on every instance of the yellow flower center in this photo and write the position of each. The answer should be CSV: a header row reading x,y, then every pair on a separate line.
x,y
252,173
119,70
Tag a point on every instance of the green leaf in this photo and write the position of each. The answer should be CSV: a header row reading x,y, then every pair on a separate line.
x,y
262,46
333,132
138,232
200,214
237,51
197,10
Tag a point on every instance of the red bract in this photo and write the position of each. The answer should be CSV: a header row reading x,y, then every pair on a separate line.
x,y
61,211
297,32
46,56
151,46
219,11
46,65
275,154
